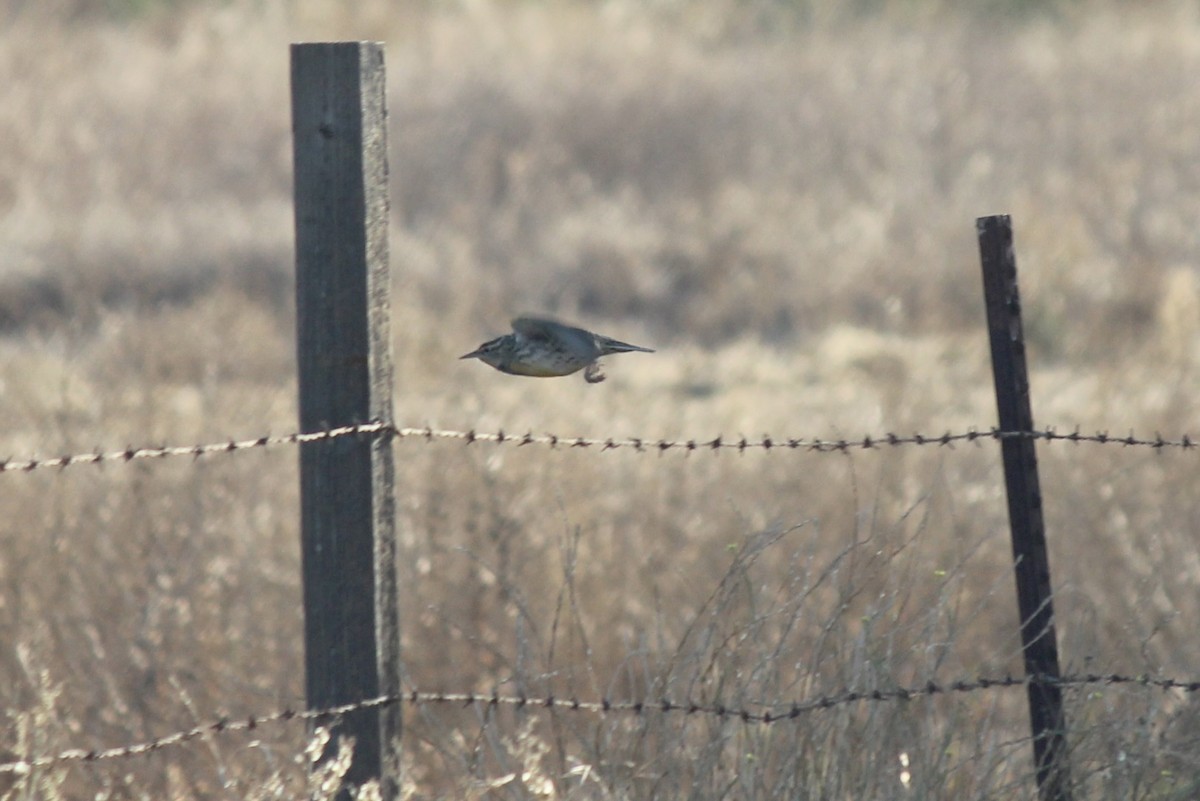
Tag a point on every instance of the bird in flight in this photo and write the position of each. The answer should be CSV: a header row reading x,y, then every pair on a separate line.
x,y
544,348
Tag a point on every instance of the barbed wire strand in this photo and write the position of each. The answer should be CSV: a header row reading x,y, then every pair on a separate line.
x,y
767,442
164,451
639,444
781,713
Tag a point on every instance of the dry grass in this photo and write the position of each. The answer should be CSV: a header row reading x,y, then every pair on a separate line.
x,y
784,210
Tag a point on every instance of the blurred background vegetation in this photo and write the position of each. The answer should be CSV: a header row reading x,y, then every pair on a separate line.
x,y
778,196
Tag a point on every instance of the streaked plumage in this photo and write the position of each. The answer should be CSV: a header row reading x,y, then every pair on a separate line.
x,y
544,348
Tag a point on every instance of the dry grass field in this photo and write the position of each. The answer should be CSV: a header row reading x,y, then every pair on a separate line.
x,y
779,197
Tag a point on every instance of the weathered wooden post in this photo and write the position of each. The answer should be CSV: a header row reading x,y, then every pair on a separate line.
x,y
343,334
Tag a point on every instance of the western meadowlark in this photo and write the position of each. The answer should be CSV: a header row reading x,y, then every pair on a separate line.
x,y
544,348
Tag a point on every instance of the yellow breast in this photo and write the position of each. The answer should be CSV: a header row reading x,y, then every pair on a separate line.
x,y
539,369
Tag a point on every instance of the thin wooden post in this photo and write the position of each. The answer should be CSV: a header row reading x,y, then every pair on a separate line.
x,y
343,333
1032,565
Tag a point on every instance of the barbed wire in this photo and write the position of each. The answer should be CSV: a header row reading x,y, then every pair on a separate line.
x,y
780,713
768,443
719,443
131,454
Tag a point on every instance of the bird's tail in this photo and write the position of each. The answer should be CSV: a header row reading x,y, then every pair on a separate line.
x,y
608,346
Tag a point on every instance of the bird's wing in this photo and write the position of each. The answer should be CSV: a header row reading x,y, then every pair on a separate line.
x,y
580,342
534,328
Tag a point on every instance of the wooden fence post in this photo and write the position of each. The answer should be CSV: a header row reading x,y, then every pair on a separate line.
x,y
343,334
1032,565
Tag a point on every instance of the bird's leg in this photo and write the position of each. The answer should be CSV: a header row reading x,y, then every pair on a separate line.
x,y
592,374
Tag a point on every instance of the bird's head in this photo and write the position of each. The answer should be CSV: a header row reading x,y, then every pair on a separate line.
x,y
493,352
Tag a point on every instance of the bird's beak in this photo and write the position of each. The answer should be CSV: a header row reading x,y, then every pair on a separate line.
x,y
472,355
